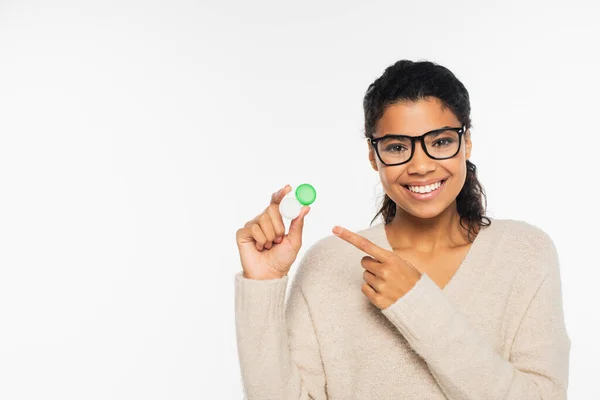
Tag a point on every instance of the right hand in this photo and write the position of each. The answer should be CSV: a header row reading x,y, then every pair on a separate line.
x,y
266,252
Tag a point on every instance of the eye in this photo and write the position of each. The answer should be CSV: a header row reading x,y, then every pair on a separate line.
x,y
443,142
395,148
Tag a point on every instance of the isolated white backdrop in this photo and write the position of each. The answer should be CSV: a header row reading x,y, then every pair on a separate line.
x,y
136,137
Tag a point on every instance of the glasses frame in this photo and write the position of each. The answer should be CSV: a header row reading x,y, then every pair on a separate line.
x,y
421,138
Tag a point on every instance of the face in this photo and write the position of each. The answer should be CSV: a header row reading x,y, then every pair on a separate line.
x,y
414,119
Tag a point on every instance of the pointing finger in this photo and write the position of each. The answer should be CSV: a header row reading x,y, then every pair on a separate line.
x,y
279,195
362,243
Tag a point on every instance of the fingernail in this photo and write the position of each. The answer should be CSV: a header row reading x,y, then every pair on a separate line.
x,y
337,230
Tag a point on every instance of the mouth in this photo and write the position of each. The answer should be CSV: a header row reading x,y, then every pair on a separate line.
x,y
426,191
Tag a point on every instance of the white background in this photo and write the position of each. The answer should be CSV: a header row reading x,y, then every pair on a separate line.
x,y
136,137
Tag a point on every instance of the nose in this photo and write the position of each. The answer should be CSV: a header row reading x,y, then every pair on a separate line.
x,y
420,162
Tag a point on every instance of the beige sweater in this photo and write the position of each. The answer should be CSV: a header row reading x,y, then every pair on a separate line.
x,y
496,330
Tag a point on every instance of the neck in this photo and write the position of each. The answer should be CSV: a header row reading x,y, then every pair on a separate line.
x,y
426,235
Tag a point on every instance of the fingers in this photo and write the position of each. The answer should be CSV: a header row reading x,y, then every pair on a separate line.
x,y
259,236
368,290
277,222
280,194
268,227
251,233
372,280
362,243
373,266
296,227
275,214
260,230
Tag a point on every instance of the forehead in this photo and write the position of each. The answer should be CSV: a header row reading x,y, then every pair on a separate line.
x,y
415,118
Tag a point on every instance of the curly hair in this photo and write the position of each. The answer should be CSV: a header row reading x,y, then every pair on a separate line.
x,y
408,81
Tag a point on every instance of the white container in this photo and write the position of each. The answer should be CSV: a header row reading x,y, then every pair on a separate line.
x,y
290,207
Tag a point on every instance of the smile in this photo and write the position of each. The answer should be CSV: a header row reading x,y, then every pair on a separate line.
x,y
426,192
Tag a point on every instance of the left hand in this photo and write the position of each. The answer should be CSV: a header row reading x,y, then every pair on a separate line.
x,y
387,276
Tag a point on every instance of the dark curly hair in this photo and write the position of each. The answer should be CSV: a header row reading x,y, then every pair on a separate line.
x,y
412,81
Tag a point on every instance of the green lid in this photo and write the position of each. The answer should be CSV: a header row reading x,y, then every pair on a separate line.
x,y
306,194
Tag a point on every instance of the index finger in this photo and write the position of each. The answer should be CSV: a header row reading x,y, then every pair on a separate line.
x,y
361,243
279,195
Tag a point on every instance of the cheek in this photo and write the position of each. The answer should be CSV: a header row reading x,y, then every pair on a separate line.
x,y
390,176
455,165
458,172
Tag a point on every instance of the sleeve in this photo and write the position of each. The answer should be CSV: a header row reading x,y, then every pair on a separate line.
x,y
277,345
466,366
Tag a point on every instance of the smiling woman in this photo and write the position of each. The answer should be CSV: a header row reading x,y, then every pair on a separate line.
x,y
437,301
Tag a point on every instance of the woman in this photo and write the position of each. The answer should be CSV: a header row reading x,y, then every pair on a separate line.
x,y
446,303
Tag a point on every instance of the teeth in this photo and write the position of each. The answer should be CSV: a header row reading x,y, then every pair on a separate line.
x,y
426,188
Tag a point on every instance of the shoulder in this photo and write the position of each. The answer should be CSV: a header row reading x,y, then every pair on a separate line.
x,y
523,234
525,244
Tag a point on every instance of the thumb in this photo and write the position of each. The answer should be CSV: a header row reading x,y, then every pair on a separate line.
x,y
296,226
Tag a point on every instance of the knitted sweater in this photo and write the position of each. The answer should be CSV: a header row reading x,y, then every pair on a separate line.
x,y
495,331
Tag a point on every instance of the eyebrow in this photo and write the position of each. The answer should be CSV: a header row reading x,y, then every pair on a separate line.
x,y
434,135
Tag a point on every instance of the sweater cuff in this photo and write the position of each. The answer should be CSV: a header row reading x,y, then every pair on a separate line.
x,y
422,313
260,300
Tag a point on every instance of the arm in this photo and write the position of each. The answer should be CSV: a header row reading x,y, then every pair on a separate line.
x,y
466,366
277,346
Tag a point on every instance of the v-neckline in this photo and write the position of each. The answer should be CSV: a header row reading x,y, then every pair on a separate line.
x,y
464,266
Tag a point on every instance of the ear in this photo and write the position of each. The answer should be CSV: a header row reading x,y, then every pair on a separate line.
x,y
372,157
468,144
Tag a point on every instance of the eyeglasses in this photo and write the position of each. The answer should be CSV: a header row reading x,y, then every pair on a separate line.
x,y
439,144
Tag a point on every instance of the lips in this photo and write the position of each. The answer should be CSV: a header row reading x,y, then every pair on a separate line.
x,y
426,196
424,183
442,181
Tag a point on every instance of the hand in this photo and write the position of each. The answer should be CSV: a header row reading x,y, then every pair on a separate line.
x,y
387,276
266,252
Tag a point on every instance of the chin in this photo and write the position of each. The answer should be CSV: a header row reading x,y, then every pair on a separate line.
x,y
425,212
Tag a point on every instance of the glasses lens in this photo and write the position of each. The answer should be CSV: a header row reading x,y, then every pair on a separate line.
x,y
394,150
442,144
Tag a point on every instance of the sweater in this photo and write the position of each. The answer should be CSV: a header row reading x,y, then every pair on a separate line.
x,y
495,331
